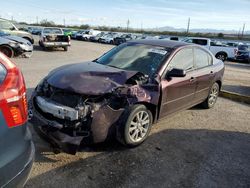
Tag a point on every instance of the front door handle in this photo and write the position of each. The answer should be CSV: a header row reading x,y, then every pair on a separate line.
x,y
192,79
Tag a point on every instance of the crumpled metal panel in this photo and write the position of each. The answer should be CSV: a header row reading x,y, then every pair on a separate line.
x,y
89,78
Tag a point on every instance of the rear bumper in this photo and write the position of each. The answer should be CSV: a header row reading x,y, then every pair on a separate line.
x,y
22,175
56,44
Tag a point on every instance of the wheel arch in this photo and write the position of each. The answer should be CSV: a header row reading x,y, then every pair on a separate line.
x,y
152,108
220,83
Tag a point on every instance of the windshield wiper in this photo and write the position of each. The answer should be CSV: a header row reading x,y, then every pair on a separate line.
x,y
113,66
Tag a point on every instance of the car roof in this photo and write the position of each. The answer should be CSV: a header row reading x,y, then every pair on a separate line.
x,y
162,43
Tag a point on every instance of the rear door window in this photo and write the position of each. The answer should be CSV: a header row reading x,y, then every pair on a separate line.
x,y
201,58
183,60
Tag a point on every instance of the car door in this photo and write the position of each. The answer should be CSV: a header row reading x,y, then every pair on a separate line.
x,y
178,92
204,73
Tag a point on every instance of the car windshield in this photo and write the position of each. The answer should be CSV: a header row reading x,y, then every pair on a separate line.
x,y
52,31
135,57
244,48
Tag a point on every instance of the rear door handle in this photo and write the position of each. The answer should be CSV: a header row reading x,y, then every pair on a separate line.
x,y
192,79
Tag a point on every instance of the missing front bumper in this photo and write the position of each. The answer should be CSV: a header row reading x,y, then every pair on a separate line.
x,y
100,126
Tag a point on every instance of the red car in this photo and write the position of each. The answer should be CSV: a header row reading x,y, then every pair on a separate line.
x,y
124,92
16,147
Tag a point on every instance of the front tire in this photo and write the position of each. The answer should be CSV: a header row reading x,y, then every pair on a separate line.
x,y
212,97
135,126
7,50
66,48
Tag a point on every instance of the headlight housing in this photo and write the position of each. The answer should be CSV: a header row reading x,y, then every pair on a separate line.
x,y
14,44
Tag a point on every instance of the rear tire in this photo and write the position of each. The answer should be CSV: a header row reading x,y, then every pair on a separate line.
x,y
212,96
66,48
135,126
7,50
222,56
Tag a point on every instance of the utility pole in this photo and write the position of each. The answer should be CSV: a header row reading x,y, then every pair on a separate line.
x,y
128,25
188,25
141,27
37,20
64,22
243,30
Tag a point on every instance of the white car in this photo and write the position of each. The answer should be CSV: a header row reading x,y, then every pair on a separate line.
x,y
109,38
220,51
90,33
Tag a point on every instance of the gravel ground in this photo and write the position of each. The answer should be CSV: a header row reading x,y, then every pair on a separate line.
x,y
193,148
237,78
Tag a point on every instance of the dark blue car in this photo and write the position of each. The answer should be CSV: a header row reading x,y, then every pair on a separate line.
x,y
243,53
16,147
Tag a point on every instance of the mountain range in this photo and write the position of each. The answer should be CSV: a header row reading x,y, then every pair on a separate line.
x,y
168,28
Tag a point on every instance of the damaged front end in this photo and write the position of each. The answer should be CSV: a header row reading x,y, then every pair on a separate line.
x,y
69,119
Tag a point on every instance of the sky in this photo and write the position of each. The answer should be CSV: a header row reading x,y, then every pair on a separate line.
x,y
212,14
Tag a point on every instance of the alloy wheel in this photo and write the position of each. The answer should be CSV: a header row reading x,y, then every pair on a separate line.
x,y
213,95
139,126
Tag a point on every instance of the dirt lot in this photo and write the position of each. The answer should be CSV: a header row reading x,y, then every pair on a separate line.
x,y
194,148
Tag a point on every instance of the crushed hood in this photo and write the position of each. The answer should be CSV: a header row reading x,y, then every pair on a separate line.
x,y
88,78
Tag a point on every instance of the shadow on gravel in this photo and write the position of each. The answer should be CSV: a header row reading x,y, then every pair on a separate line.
x,y
243,90
39,48
171,158
242,65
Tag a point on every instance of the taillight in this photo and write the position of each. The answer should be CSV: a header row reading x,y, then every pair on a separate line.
x,y
13,100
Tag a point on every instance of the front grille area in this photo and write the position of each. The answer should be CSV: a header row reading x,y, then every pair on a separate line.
x,y
60,96
66,99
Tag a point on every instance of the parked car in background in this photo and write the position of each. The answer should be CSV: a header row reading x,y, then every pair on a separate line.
x,y
79,34
124,38
170,38
74,34
14,46
109,38
97,37
67,32
129,88
52,37
10,28
243,53
16,146
36,31
221,52
89,33
233,44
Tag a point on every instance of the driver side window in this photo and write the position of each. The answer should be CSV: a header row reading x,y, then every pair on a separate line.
x,y
183,59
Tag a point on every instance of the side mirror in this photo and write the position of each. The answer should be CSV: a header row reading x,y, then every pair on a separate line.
x,y
176,73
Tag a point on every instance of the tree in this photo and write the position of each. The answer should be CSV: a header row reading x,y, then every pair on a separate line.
x,y
84,26
220,35
47,23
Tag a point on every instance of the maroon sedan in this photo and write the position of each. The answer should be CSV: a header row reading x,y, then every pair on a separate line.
x,y
123,93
